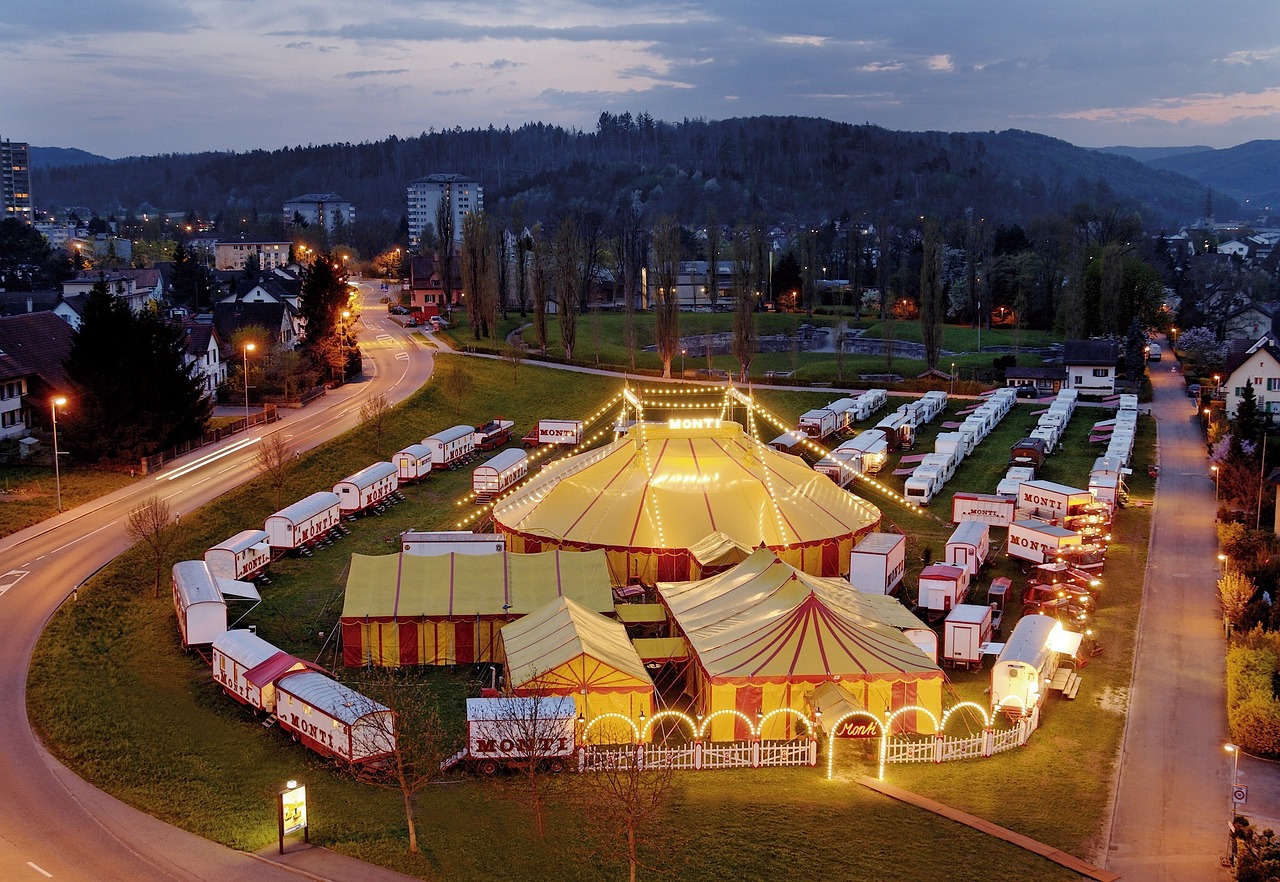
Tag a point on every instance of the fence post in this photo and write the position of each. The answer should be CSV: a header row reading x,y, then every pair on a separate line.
x,y
582,760
938,741
813,751
755,754
697,753
988,741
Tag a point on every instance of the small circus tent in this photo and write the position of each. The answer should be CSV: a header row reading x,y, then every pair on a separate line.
x,y
647,498
765,635
715,553
411,609
564,648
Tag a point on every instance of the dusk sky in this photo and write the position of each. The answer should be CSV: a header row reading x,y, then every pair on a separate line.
x,y
129,77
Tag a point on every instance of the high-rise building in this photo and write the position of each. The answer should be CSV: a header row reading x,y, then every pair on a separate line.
x,y
320,210
460,194
15,181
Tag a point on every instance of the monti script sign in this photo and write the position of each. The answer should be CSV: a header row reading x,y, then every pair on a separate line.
x,y
1037,542
858,727
996,511
559,432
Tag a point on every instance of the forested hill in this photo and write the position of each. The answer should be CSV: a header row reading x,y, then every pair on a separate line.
x,y
772,169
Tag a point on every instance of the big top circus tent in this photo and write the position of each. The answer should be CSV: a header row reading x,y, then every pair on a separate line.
x,y
650,496
764,636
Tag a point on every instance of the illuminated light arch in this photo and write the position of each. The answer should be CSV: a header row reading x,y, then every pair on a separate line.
x,y
831,737
586,733
888,723
986,717
782,711
665,714
728,711
1012,699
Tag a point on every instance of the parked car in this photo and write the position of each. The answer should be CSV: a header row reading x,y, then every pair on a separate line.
x,y
397,310
1028,391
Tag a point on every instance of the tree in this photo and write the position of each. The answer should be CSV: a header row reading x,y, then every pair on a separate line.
x,y
416,741
527,720
666,276
933,295
479,282
153,523
566,260
444,247
628,249
744,301
1235,592
456,383
327,340
513,354
375,413
274,461
713,257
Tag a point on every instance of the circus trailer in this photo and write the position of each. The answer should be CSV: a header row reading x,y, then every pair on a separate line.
x,y
943,587
964,632
818,423
840,465
877,563
843,408
366,488
243,556
899,430
493,434
554,432
868,403
1029,452
925,483
788,441
969,546
1046,499
955,444
985,508
872,448
499,474
199,599
305,522
450,448
452,542
1012,480
413,463
247,668
1025,667
332,719
499,732
1039,542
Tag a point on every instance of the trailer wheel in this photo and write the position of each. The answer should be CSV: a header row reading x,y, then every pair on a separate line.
x,y
487,767
555,766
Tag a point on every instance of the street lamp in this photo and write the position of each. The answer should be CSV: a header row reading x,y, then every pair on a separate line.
x,y
953,378
1234,750
57,474
1216,476
1222,563
682,352
248,347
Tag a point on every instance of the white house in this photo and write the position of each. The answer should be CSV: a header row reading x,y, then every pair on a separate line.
x,y
1257,365
203,349
1091,365
32,349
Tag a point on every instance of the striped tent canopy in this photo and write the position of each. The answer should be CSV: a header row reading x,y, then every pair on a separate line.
x,y
765,635
652,495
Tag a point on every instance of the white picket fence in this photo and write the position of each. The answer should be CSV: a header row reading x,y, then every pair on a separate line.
x,y
700,755
942,748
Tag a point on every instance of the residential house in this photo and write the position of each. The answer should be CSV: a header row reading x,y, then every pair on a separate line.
x,y
229,318
1090,365
1047,379
204,349
121,283
33,347
1248,322
70,309
1256,364
426,287
20,302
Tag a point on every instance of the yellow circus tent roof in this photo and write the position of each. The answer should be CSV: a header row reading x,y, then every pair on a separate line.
x,y
766,622
455,585
718,550
564,645
669,487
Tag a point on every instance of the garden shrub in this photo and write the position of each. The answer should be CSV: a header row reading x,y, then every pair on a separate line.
x,y
1253,713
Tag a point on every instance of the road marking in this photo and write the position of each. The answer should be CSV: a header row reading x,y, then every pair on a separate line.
x,y
6,582
402,355
81,538
40,870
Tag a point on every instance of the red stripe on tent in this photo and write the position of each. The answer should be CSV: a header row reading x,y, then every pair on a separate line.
x,y
697,468
597,497
395,609
635,528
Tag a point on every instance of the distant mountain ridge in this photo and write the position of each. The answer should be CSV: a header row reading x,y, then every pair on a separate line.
x,y
1249,172
1147,154
770,169
59,157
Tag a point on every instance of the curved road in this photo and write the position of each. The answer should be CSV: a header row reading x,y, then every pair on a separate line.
x,y
52,824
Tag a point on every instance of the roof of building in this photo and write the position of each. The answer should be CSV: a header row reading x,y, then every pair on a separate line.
x,y
1238,352
15,302
35,344
1087,352
315,197
197,336
1036,372
231,317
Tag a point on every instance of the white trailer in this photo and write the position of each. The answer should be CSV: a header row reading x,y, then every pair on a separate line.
x,y
1127,403
818,423
943,587
1025,667
1013,480
1052,420
1039,542
247,668
946,463
450,448
994,511
333,720
1106,488
877,563
843,408
499,731
923,484
955,444
788,441
1048,435
499,473
939,399
1052,500
969,546
554,432
243,556
452,542
198,602
872,448
841,465
413,463
305,522
967,627
367,487
977,426
869,402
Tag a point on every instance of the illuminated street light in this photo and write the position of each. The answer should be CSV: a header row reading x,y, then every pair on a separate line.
x,y
953,378
57,474
1216,475
682,351
248,347
1234,750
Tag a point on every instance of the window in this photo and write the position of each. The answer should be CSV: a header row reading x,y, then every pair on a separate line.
x,y
1239,391
1102,372
1273,384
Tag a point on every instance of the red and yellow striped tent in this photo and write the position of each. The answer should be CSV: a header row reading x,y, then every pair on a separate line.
x,y
410,609
764,635
650,496
566,649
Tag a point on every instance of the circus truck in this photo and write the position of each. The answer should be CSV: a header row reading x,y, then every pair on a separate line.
x,y
1038,542
554,432
1051,501
514,731
818,423
451,447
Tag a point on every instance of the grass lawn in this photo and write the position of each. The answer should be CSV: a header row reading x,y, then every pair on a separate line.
x,y
155,725
29,495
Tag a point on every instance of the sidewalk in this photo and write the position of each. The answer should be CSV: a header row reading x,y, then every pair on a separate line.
x,y
323,865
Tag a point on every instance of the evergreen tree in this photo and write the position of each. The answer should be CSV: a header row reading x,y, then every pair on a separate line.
x,y
1247,425
328,341
933,294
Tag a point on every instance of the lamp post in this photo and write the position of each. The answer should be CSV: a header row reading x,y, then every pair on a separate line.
x,y
1216,475
682,352
248,347
57,473
1234,750
953,378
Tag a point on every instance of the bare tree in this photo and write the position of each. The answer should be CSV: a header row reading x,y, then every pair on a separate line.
x,y
153,522
628,256
713,257
933,294
623,803
513,354
539,285
444,251
274,461
543,740
744,301
666,272
565,261
456,383
375,413
416,742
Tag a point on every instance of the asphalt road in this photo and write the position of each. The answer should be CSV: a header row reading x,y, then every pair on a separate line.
x,y
1172,801
52,824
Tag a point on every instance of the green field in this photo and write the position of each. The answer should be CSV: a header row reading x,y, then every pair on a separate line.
x,y
154,725
29,495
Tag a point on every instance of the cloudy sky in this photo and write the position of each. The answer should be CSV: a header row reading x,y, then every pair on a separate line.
x,y
128,77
